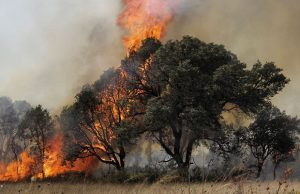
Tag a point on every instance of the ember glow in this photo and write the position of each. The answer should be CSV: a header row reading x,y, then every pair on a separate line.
x,y
140,19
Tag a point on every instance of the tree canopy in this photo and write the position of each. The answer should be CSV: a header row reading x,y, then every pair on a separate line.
x,y
272,134
195,83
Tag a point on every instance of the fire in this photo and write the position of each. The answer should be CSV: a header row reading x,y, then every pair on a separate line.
x,y
17,170
140,19
54,163
53,166
145,19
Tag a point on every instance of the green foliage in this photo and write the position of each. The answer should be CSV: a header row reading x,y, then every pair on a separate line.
x,y
196,81
273,133
177,92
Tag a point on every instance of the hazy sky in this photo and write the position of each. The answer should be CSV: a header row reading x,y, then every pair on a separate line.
x,y
268,30
50,48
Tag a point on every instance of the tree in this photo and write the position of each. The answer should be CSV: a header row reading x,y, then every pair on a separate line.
x,y
8,125
272,134
101,121
195,83
10,139
37,125
139,74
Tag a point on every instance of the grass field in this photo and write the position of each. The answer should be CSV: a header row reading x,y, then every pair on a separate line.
x,y
213,188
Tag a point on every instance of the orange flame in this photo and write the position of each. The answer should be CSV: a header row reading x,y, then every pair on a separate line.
x,y
141,19
145,19
53,164
17,170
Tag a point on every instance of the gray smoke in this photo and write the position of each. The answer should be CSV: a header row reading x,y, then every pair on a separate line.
x,y
49,49
267,30
11,114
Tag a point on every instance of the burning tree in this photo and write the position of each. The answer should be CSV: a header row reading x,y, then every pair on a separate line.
x,y
140,74
101,121
37,127
112,104
177,92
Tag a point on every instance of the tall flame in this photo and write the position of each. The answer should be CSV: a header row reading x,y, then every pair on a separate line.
x,y
145,19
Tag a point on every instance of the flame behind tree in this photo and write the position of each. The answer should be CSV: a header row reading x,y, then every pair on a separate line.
x,y
107,137
38,126
104,114
101,121
54,164
42,155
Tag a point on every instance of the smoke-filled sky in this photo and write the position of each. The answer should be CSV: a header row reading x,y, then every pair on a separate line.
x,y
49,49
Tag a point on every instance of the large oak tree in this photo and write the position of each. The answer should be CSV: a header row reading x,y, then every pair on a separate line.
x,y
188,84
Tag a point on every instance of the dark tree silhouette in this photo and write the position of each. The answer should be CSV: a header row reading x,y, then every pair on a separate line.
x,y
189,84
272,134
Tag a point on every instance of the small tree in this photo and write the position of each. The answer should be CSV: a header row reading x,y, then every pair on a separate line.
x,y
37,125
272,134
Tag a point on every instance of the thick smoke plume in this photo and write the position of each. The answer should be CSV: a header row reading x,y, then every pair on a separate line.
x,y
50,49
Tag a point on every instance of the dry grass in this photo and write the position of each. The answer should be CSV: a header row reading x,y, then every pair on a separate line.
x,y
214,188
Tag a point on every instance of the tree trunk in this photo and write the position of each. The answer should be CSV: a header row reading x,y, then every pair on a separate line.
x,y
276,165
183,171
189,151
122,156
259,169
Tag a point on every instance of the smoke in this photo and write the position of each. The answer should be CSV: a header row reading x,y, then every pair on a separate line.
x,y
49,49
10,115
266,30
